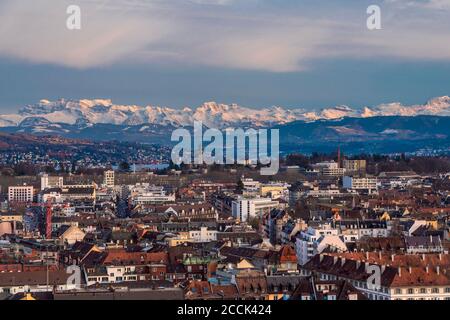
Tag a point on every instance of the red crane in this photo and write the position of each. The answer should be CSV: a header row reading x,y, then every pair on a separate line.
x,y
48,221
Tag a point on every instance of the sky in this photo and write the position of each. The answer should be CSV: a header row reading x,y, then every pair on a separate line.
x,y
257,53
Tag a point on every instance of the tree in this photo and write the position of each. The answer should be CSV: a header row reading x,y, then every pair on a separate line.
x,y
240,186
124,166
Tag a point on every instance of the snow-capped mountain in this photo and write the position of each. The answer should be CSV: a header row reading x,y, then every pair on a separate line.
x,y
84,113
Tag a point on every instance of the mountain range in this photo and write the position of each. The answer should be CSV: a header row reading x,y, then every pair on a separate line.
x,y
84,113
386,128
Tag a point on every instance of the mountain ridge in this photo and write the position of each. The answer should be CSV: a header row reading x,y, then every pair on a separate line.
x,y
85,112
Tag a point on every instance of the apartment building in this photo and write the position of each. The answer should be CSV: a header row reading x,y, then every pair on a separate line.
x,y
354,165
402,277
146,194
108,178
329,169
246,208
20,193
360,183
314,240
48,182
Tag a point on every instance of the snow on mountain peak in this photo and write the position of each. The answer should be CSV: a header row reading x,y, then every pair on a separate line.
x,y
212,114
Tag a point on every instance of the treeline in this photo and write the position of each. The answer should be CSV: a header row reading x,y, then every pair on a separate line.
x,y
30,169
378,163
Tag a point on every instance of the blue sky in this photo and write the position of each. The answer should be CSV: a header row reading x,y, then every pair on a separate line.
x,y
257,53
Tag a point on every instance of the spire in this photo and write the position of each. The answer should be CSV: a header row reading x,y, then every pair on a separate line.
x,y
339,156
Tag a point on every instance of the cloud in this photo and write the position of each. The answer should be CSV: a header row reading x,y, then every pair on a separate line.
x,y
429,4
246,34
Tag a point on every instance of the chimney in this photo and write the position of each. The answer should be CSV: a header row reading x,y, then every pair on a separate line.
x,y
367,255
399,271
410,269
392,257
427,268
440,256
358,264
335,259
379,255
423,256
438,270
321,257
342,262
366,266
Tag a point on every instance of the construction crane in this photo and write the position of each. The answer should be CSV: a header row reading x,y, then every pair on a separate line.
x,y
48,216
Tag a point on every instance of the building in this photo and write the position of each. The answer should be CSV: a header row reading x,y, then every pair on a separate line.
x,y
316,240
20,193
274,190
108,178
401,277
246,208
354,230
199,235
310,288
69,234
355,166
360,183
146,194
34,281
424,244
329,169
48,182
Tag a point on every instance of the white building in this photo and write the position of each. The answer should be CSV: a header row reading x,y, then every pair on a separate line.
x,y
203,235
245,208
360,183
329,169
48,182
108,178
41,281
354,230
20,193
251,185
142,194
314,240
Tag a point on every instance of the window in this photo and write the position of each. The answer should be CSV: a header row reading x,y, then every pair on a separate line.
x,y
447,290
423,290
435,290
410,291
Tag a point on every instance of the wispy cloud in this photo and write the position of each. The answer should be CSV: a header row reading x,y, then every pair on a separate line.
x,y
245,34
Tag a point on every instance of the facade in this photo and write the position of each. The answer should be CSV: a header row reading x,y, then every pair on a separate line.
x,y
329,169
20,194
357,166
108,178
246,208
360,183
396,281
315,240
424,244
146,194
34,281
51,181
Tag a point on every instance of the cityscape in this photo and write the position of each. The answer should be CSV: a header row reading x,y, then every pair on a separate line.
x,y
224,158
315,231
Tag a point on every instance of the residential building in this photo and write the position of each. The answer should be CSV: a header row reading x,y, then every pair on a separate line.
x,y
247,208
20,193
